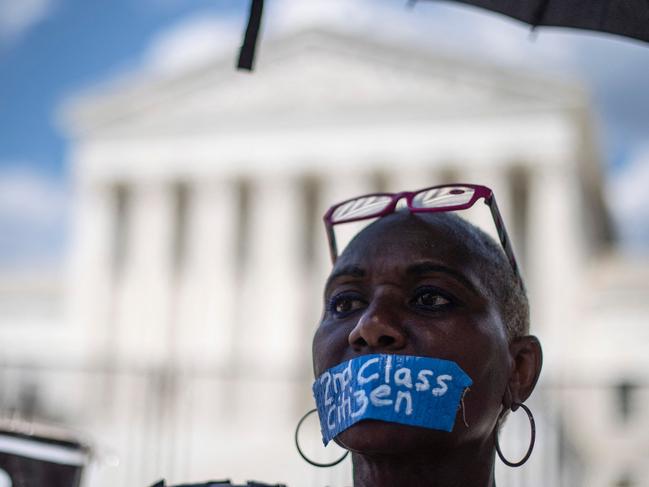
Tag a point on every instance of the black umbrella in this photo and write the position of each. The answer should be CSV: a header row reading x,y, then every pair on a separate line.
x,y
629,18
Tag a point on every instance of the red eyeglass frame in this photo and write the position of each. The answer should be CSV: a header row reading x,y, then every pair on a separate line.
x,y
479,191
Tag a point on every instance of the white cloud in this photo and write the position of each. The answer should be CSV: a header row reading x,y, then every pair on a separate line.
x,y
192,42
17,16
32,217
286,15
628,197
29,196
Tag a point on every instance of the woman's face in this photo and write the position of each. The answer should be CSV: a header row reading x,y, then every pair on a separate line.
x,y
413,286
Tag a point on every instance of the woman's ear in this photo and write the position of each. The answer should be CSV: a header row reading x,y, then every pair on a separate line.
x,y
527,358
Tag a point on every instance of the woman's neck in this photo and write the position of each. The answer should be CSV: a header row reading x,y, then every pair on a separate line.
x,y
417,470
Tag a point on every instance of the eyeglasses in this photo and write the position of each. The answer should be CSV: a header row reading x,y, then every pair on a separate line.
x,y
447,197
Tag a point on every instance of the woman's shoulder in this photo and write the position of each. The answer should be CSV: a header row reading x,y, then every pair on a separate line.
x,y
220,483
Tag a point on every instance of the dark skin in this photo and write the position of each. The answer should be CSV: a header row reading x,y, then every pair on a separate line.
x,y
412,285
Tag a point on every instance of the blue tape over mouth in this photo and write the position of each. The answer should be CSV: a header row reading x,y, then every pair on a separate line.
x,y
417,391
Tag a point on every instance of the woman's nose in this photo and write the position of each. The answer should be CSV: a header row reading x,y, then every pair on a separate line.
x,y
378,329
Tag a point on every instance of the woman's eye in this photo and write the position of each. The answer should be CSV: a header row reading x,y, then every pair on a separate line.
x,y
342,305
431,299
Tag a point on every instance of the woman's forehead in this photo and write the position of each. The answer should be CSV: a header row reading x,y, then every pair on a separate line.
x,y
404,238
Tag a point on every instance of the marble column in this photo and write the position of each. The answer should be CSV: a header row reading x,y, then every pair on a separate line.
x,y
554,258
272,288
145,304
90,297
207,276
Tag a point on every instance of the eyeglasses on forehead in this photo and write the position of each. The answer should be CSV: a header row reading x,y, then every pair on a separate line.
x,y
442,198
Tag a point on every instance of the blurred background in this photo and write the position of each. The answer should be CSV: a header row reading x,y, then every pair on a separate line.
x,y
162,253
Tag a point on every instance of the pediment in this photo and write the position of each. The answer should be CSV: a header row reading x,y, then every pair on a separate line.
x,y
315,77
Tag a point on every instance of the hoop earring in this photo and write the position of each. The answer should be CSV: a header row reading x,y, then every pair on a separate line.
x,y
532,439
307,459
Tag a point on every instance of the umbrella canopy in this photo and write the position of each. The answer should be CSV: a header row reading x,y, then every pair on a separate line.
x,y
629,18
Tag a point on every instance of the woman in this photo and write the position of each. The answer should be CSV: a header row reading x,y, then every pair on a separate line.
x,y
423,282
422,286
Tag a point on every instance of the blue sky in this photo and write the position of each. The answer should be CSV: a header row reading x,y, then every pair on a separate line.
x,y
52,49
74,44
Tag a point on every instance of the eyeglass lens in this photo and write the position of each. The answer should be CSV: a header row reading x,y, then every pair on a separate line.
x,y
448,196
361,207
